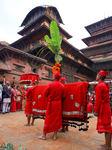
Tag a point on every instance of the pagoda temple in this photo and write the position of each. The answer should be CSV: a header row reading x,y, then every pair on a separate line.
x,y
99,44
27,56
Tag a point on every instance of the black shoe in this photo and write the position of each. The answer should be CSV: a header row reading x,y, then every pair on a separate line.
x,y
3,112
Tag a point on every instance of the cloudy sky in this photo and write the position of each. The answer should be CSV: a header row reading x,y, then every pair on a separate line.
x,y
76,14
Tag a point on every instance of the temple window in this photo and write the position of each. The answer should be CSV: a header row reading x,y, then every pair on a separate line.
x,y
18,68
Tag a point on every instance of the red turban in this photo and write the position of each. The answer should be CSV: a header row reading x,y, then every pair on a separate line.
x,y
57,75
103,73
63,79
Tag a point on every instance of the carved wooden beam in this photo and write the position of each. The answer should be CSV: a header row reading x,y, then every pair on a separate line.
x,y
7,54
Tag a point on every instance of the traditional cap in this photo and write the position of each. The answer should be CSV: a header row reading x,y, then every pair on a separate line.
x,y
57,75
103,73
33,81
8,82
63,79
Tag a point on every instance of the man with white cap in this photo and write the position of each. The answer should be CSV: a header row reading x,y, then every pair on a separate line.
x,y
6,97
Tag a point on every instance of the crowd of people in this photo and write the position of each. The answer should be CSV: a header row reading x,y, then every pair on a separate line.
x,y
98,102
12,98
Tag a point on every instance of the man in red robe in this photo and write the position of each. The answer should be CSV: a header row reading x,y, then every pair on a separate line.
x,y
53,119
102,109
28,108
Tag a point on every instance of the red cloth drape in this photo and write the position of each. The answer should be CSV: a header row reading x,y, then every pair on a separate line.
x,y
73,104
102,107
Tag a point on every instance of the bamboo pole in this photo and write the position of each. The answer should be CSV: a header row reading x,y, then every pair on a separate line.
x,y
95,82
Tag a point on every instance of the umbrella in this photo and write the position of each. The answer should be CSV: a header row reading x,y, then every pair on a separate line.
x,y
27,77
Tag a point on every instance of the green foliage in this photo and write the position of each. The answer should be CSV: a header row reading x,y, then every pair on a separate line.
x,y
54,44
20,148
9,146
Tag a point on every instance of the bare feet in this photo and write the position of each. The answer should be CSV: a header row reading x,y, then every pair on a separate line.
x,y
61,130
26,124
55,137
32,124
66,128
42,137
103,148
103,145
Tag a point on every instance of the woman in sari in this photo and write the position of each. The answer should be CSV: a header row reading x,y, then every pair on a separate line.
x,y
23,91
18,102
13,99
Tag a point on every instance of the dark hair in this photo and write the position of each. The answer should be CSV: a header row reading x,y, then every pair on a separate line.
x,y
57,79
102,77
12,85
17,87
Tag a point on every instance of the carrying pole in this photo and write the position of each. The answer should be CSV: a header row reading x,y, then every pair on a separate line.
x,y
95,82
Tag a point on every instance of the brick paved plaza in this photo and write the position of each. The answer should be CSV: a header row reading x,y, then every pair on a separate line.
x,y
12,130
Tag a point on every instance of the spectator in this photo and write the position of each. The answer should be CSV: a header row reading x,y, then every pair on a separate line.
x,y
18,101
23,91
7,97
1,89
13,99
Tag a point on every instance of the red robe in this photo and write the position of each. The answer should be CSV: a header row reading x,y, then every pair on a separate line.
x,y
28,108
53,119
102,107
13,101
89,108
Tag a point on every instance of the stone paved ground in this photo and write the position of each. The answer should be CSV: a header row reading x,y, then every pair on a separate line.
x,y
12,130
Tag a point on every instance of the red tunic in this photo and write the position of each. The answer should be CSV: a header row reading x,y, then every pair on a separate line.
x,y
102,107
13,101
53,119
28,108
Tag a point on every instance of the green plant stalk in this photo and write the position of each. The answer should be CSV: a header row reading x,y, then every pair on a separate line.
x,y
42,51
46,54
37,53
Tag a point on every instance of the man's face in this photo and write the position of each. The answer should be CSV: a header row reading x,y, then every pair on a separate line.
x,y
8,84
63,82
98,77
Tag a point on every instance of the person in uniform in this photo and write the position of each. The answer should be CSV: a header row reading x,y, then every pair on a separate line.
x,y
102,109
53,118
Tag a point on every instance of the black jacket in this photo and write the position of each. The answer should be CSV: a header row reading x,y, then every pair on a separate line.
x,y
6,91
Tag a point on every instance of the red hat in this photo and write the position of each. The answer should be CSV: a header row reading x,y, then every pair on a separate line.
x,y
63,79
33,81
57,75
103,73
